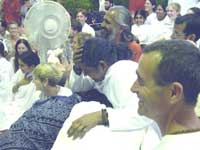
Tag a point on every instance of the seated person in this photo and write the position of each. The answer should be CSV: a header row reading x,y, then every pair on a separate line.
x,y
113,78
167,86
38,127
21,92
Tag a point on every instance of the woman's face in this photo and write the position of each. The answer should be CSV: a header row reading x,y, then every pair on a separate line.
x,y
21,48
148,6
172,13
24,67
139,19
160,12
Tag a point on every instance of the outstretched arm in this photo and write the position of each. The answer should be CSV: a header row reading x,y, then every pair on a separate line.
x,y
86,122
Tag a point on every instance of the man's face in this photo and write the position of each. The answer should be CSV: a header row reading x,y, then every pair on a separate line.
x,y
178,32
81,17
13,29
110,25
97,74
107,4
153,98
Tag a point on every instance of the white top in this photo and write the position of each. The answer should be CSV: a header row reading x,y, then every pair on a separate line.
x,y
140,32
88,29
150,18
101,137
116,85
187,141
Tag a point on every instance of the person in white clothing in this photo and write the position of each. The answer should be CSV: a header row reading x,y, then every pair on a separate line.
x,y
149,7
21,90
6,73
82,17
112,79
167,86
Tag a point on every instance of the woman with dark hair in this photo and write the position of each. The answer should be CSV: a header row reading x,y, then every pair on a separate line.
x,y
22,45
139,26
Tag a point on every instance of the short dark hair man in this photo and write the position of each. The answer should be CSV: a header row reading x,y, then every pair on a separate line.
x,y
167,86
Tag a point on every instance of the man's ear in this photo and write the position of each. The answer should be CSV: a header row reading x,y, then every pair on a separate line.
x,y
176,91
103,65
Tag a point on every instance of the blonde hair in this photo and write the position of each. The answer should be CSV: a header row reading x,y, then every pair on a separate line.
x,y
49,72
175,6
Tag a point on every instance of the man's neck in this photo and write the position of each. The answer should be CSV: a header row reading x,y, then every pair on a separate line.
x,y
182,121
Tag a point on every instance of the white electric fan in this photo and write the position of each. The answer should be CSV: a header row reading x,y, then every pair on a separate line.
x,y
47,26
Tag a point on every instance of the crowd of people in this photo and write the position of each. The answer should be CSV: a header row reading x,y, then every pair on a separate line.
x,y
133,81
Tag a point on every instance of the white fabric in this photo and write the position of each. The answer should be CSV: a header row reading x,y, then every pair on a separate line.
x,y
6,73
185,4
102,137
115,86
187,141
88,29
17,103
64,91
198,5
150,18
140,32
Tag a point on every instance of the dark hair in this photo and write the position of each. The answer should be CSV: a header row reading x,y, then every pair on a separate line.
x,y
3,24
180,61
195,10
29,58
192,23
97,49
153,2
143,13
123,51
2,49
83,11
76,25
26,43
163,5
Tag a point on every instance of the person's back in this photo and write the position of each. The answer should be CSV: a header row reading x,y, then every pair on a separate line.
x,y
38,127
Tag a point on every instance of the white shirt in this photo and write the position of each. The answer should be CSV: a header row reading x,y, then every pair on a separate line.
x,y
116,85
101,137
88,29
187,141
